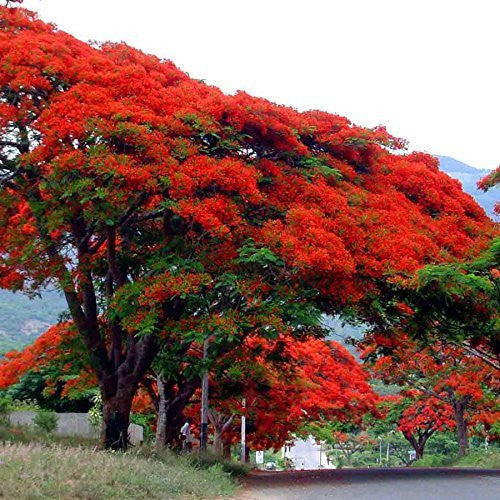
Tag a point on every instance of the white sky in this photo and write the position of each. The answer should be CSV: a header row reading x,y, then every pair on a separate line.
x,y
427,69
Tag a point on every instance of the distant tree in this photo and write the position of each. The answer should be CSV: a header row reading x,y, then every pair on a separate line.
x,y
490,181
417,417
438,372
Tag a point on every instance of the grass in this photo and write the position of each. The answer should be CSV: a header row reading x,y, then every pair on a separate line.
x,y
476,458
34,471
35,465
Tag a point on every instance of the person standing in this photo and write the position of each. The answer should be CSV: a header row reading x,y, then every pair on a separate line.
x,y
186,436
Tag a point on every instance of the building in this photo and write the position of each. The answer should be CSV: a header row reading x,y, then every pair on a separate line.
x,y
307,454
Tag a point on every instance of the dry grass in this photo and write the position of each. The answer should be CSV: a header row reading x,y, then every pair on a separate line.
x,y
33,471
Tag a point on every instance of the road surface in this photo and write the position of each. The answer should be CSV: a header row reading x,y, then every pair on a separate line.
x,y
373,484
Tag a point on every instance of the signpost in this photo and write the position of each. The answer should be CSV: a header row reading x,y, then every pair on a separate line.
x,y
259,457
204,402
243,432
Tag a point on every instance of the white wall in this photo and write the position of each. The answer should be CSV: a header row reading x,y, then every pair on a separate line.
x,y
74,424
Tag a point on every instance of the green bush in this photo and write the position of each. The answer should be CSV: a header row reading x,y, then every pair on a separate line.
x,y
5,409
205,460
5,405
479,458
24,405
46,421
147,422
476,458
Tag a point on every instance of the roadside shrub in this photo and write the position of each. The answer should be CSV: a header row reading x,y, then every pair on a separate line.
x,y
5,408
45,421
95,413
476,458
205,460
24,405
147,422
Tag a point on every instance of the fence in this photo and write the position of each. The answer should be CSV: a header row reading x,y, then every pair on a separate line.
x,y
74,424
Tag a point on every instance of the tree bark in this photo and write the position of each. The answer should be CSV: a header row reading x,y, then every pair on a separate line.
x,y
116,415
226,450
221,424
462,435
161,421
418,443
218,442
172,399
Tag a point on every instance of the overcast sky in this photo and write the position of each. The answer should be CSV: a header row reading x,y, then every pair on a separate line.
x,y
427,69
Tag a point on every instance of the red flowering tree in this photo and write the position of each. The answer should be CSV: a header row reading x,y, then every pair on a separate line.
x,y
490,181
443,380
285,384
417,416
135,190
61,350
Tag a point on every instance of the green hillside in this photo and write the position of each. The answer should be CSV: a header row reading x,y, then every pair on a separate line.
x,y
23,319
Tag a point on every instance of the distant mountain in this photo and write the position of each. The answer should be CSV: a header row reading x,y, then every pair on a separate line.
x,y
22,320
469,176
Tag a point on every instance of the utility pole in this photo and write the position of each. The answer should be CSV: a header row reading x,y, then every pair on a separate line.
x,y
243,433
204,401
380,450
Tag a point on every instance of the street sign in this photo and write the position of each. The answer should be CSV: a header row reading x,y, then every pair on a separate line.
x,y
259,457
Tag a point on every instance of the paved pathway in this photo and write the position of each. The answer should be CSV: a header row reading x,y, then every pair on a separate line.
x,y
373,484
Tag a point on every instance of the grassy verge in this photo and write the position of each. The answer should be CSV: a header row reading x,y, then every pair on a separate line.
x,y
481,459
38,465
56,472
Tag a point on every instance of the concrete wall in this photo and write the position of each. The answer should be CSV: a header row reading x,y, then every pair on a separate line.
x,y
74,424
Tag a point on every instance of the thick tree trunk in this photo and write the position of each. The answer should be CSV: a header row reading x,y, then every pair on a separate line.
x,y
461,423
117,403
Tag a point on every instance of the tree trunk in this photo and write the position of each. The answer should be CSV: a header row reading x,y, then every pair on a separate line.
x,y
226,450
418,444
462,436
161,422
218,443
172,399
116,406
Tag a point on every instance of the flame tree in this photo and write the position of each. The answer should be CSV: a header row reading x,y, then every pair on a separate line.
x,y
135,190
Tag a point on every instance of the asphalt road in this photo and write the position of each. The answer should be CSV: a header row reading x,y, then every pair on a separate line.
x,y
373,484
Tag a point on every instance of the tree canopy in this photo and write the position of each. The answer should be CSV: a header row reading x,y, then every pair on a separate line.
x,y
165,210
